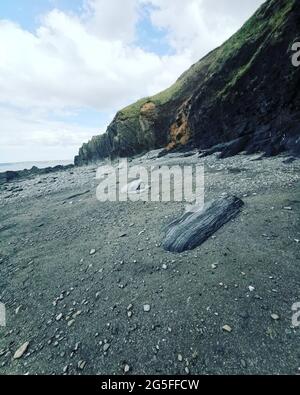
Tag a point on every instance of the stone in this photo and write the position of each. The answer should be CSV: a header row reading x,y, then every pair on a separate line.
x,y
243,363
195,227
21,351
227,328
81,365
147,308
18,309
275,317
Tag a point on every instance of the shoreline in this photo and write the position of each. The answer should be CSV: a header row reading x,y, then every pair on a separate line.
x,y
12,175
71,266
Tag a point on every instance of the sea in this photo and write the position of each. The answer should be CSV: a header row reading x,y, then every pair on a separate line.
x,y
28,165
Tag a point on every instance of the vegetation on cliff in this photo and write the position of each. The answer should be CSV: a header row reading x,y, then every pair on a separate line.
x,y
243,96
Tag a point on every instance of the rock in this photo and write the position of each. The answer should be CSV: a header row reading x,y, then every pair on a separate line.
x,y
106,347
21,351
136,186
81,365
147,308
93,252
126,368
227,328
59,317
165,267
251,289
195,227
243,363
180,358
18,309
77,314
275,317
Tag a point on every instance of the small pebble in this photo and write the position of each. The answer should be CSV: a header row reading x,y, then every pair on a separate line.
x,y
147,308
227,328
275,317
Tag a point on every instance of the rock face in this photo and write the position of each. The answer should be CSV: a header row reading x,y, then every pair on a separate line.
x,y
243,96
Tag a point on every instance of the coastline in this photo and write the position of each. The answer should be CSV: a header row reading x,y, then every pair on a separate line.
x,y
11,175
72,306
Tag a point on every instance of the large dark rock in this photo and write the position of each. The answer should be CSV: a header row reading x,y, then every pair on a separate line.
x,y
243,96
195,227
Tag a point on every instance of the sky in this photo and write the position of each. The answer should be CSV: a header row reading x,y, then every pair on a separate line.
x,y
67,66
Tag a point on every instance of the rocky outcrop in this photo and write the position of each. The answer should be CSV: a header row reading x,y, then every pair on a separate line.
x,y
243,96
9,176
196,226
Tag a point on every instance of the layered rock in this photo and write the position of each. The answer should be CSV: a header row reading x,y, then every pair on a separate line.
x,y
243,96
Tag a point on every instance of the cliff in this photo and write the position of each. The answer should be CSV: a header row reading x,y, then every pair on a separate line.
x,y
243,96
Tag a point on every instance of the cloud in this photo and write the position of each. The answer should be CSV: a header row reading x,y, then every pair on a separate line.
x,y
66,64
112,20
195,27
32,132
92,61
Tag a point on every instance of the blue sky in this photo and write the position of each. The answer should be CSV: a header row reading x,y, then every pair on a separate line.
x,y
67,66
27,12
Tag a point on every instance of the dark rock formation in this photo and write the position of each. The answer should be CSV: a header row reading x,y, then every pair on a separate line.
x,y
243,96
8,176
195,227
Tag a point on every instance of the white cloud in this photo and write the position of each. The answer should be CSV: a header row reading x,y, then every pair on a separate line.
x,y
31,132
65,64
91,61
113,20
197,26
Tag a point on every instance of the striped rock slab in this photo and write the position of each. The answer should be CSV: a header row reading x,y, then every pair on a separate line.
x,y
193,228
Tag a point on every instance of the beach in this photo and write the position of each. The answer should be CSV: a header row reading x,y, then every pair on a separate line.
x,y
88,285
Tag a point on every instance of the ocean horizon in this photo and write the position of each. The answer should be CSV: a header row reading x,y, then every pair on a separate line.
x,y
17,166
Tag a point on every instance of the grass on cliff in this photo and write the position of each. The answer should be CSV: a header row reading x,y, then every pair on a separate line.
x,y
256,26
